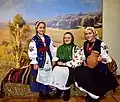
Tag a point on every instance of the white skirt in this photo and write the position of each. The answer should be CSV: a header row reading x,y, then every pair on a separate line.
x,y
44,74
59,77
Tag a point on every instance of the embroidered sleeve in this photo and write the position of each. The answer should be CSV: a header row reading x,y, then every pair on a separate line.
x,y
53,50
83,54
32,52
104,53
78,58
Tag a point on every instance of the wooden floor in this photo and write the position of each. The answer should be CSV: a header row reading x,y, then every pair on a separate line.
x,y
108,98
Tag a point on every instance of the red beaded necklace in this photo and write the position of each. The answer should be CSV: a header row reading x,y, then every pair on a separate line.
x,y
89,48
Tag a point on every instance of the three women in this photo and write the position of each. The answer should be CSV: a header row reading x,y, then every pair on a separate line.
x,y
71,66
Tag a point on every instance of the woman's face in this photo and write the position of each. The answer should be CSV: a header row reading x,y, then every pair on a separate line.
x,y
41,29
67,38
89,35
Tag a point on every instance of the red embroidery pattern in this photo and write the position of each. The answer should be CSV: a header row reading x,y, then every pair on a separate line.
x,y
88,48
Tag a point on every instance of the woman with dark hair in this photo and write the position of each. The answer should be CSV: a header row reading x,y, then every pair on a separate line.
x,y
63,73
94,77
41,53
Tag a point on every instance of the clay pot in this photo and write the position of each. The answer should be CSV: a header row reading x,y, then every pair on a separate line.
x,y
92,59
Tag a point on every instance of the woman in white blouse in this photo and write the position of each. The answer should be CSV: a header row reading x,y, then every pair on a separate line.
x,y
97,80
68,55
41,53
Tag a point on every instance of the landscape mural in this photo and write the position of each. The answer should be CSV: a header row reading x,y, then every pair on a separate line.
x,y
19,16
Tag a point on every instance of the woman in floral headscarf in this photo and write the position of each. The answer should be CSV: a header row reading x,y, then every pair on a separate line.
x,y
95,79
68,55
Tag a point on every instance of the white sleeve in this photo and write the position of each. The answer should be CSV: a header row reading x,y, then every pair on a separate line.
x,y
78,58
83,54
53,50
32,52
104,53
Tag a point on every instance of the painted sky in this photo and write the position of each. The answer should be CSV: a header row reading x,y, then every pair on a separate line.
x,y
45,9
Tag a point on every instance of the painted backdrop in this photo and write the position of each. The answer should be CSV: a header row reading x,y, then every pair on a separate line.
x,y
60,15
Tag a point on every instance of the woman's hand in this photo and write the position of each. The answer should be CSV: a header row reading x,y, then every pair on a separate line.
x,y
53,63
60,63
101,59
35,66
85,64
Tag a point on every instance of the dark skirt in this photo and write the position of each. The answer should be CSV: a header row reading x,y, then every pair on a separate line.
x,y
98,80
71,77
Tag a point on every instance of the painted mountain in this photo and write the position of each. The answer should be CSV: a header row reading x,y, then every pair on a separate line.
x,y
57,12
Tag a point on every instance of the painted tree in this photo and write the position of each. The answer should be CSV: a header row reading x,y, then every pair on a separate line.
x,y
20,33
